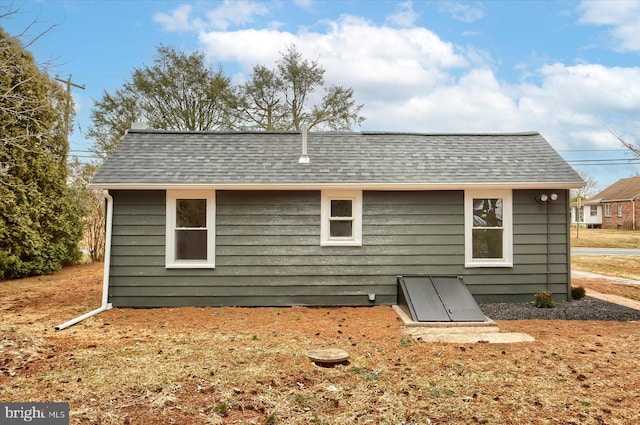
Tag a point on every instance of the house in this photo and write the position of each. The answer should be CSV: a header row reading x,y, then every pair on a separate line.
x,y
618,206
586,213
331,218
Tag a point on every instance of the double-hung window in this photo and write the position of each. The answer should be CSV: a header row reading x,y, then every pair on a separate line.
x,y
619,210
488,228
341,218
190,229
607,210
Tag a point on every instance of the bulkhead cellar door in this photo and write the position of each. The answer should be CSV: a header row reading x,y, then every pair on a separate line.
x,y
437,299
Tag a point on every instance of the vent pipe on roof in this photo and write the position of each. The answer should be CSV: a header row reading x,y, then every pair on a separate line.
x,y
304,158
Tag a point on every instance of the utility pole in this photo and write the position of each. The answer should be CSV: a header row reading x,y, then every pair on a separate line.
x,y
67,110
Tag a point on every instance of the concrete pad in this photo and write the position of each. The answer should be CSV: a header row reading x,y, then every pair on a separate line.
x,y
470,337
459,332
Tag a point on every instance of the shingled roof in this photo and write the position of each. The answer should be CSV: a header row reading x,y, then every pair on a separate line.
x,y
622,190
150,158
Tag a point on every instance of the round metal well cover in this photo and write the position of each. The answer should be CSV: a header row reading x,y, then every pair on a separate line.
x,y
328,355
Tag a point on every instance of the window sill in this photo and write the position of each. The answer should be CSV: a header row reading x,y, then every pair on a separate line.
x,y
478,264
340,243
194,265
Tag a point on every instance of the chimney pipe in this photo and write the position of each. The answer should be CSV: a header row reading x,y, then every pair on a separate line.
x,y
304,158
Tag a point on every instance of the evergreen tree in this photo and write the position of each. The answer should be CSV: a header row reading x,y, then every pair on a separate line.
x,y
39,218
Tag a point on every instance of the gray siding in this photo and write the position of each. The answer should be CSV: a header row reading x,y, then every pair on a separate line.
x,y
268,250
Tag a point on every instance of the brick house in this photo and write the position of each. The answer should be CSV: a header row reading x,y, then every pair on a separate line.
x,y
620,204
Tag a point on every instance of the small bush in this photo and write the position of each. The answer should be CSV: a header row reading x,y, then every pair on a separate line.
x,y
578,292
544,300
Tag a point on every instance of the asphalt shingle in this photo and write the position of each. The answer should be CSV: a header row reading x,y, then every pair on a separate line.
x,y
623,189
176,158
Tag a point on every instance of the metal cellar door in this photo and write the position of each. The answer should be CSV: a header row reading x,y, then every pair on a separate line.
x,y
437,299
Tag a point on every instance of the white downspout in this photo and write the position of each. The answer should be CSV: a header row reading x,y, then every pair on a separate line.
x,y
107,263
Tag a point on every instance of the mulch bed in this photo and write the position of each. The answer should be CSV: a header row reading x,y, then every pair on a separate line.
x,y
584,309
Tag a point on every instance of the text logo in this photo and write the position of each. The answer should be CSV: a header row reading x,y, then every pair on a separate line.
x,y
34,413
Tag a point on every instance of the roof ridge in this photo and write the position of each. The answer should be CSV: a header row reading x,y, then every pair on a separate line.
x,y
364,133
401,133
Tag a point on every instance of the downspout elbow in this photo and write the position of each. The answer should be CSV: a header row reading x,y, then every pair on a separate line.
x,y
107,265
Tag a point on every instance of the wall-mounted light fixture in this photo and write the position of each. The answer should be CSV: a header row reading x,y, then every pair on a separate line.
x,y
543,197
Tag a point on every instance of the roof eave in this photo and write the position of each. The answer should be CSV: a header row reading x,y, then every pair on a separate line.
x,y
331,186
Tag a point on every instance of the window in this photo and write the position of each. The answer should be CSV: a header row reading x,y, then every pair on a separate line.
x,y
341,218
190,234
619,210
593,210
488,230
607,210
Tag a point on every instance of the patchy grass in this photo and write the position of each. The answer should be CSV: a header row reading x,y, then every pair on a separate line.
x,y
625,267
605,238
205,365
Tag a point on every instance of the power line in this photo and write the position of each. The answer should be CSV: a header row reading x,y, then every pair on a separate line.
x,y
592,150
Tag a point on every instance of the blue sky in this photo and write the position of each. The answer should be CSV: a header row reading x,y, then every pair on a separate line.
x,y
569,69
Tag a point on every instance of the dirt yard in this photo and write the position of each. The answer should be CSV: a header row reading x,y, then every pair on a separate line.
x,y
248,366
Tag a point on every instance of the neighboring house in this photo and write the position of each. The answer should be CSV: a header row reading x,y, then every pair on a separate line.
x,y
618,205
259,219
587,213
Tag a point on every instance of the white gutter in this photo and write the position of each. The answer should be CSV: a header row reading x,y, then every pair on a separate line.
x,y
107,263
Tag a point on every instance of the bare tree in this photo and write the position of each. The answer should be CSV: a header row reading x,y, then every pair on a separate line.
x,y
589,189
92,204
281,99
627,142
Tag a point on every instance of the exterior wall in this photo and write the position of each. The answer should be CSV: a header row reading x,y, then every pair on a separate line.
x,y
627,219
268,250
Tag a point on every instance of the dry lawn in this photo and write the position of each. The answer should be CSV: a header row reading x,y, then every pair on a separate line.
x,y
625,267
605,238
247,366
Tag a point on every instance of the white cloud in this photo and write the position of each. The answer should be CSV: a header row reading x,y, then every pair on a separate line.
x,y
380,60
237,12
405,15
622,16
304,4
465,12
227,14
178,20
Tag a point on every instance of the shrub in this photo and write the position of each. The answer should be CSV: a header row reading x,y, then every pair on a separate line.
x,y
544,300
578,292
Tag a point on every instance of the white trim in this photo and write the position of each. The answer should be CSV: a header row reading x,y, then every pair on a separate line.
x,y
336,186
170,243
325,217
507,226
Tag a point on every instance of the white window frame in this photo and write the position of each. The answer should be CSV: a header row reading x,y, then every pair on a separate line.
x,y
593,210
355,196
620,209
607,210
507,226
170,240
